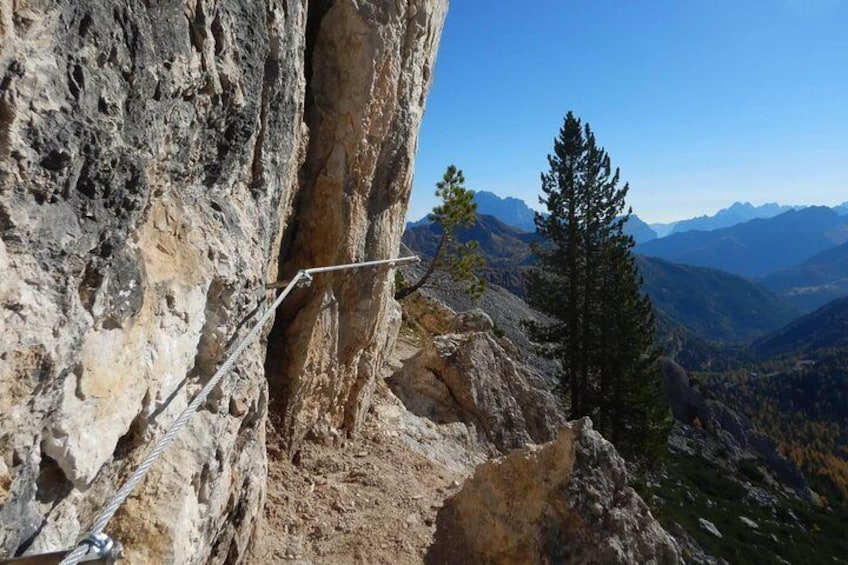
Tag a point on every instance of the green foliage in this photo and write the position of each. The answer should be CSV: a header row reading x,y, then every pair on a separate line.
x,y
462,261
457,207
464,264
794,532
751,470
587,282
400,281
498,331
802,402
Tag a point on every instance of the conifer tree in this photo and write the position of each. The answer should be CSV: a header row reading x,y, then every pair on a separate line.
x,y
587,281
461,261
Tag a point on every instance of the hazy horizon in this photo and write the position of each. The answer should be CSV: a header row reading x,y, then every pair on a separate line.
x,y
647,220
700,104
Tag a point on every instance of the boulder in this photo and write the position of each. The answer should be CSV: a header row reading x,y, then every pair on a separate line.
x,y
470,378
566,501
686,403
472,321
709,527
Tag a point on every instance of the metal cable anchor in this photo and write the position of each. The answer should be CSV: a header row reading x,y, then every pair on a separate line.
x,y
305,279
99,549
104,546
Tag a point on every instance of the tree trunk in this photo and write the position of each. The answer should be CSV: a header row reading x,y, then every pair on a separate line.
x,y
404,292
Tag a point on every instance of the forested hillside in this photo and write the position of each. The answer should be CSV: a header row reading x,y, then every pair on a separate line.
x,y
715,305
798,394
824,329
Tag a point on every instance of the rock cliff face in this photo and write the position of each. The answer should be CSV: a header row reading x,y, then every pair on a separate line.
x,y
371,64
159,162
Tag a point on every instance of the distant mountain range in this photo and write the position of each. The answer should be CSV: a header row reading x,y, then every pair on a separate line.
x,y
716,306
511,211
800,254
736,213
758,247
516,213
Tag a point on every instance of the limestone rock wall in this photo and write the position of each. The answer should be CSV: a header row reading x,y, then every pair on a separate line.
x,y
156,169
371,64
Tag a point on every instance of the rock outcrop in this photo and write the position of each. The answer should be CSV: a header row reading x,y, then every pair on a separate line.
x,y
508,312
159,163
562,502
471,378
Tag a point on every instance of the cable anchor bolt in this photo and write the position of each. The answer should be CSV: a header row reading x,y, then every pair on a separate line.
x,y
305,280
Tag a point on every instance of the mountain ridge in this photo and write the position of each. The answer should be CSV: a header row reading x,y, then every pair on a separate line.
x,y
736,213
825,328
728,308
758,247
515,213
818,280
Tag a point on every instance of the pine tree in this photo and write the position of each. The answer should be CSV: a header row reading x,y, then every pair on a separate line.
x,y
461,261
588,283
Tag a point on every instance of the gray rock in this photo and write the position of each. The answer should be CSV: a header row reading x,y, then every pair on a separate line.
x,y
685,402
472,321
708,526
144,152
689,547
713,430
471,378
508,312
750,523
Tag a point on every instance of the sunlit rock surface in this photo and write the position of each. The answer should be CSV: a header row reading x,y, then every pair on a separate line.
x,y
156,169
566,501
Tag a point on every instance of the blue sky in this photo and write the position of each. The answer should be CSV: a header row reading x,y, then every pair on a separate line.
x,y
699,102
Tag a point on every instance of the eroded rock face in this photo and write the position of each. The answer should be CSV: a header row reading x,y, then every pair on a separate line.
x,y
371,65
562,502
470,378
152,157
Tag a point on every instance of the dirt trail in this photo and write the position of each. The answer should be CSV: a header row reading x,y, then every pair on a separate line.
x,y
370,499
